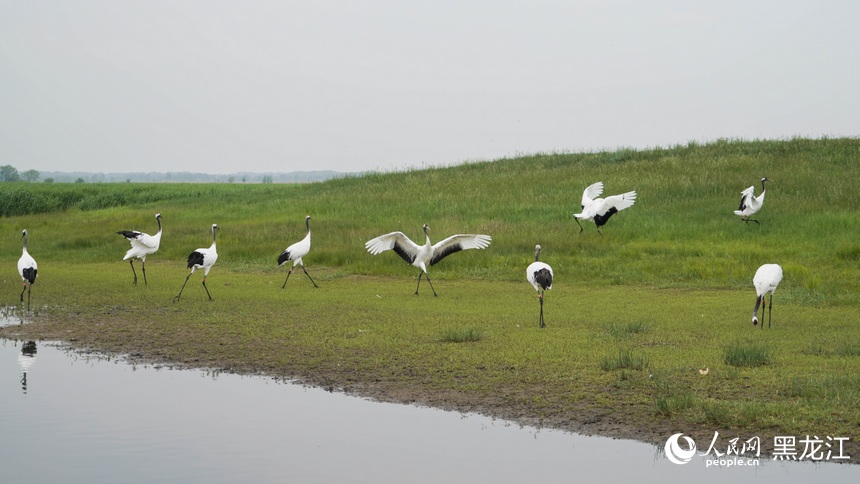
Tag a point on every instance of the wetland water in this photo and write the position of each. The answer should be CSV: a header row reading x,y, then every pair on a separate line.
x,y
71,417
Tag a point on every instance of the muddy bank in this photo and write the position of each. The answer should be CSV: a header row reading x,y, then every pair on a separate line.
x,y
606,411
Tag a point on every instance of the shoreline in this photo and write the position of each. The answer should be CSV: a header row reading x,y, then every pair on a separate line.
x,y
588,420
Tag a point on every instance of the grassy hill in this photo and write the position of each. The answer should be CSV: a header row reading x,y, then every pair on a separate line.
x,y
634,314
680,233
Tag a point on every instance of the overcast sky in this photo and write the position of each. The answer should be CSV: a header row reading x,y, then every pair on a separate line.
x,y
222,86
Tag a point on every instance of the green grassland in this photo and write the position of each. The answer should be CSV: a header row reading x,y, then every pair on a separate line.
x,y
649,328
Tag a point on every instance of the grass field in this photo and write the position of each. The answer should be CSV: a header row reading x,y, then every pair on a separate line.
x,y
649,327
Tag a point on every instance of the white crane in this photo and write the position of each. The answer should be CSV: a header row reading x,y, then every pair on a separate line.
x,y
539,275
600,209
203,258
421,256
27,269
751,204
295,253
766,278
142,245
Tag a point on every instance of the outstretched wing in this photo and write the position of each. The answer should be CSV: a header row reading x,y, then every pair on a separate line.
x,y
619,202
589,194
456,243
745,195
139,239
611,205
402,245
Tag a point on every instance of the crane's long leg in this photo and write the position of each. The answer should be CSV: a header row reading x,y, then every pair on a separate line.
x,y
22,291
29,286
143,268
542,324
207,289
131,261
577,223
770,311
428,281
288,278
309,277
431,285
183,287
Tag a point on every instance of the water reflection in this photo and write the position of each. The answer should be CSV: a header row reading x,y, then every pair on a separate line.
x,y
97,419
25,360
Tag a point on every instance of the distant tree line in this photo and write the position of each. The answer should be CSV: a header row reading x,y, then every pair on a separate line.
x,y
10,174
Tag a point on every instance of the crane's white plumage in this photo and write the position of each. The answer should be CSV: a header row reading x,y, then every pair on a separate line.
x,y
421,256
295,253
766,278
751,204
142,244
539,275
600,209
27,269
203,258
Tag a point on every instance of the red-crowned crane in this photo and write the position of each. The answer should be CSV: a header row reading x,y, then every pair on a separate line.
x,y
421,256
539,275
295,253
142,245
203,258
27,269
600,209
766,278
751,204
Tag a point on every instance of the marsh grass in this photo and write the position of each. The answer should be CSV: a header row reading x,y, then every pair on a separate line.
x,y
623,330
462,335
668,405
726,414
747,354
841,389
624,359
848,349
730,373
706,247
